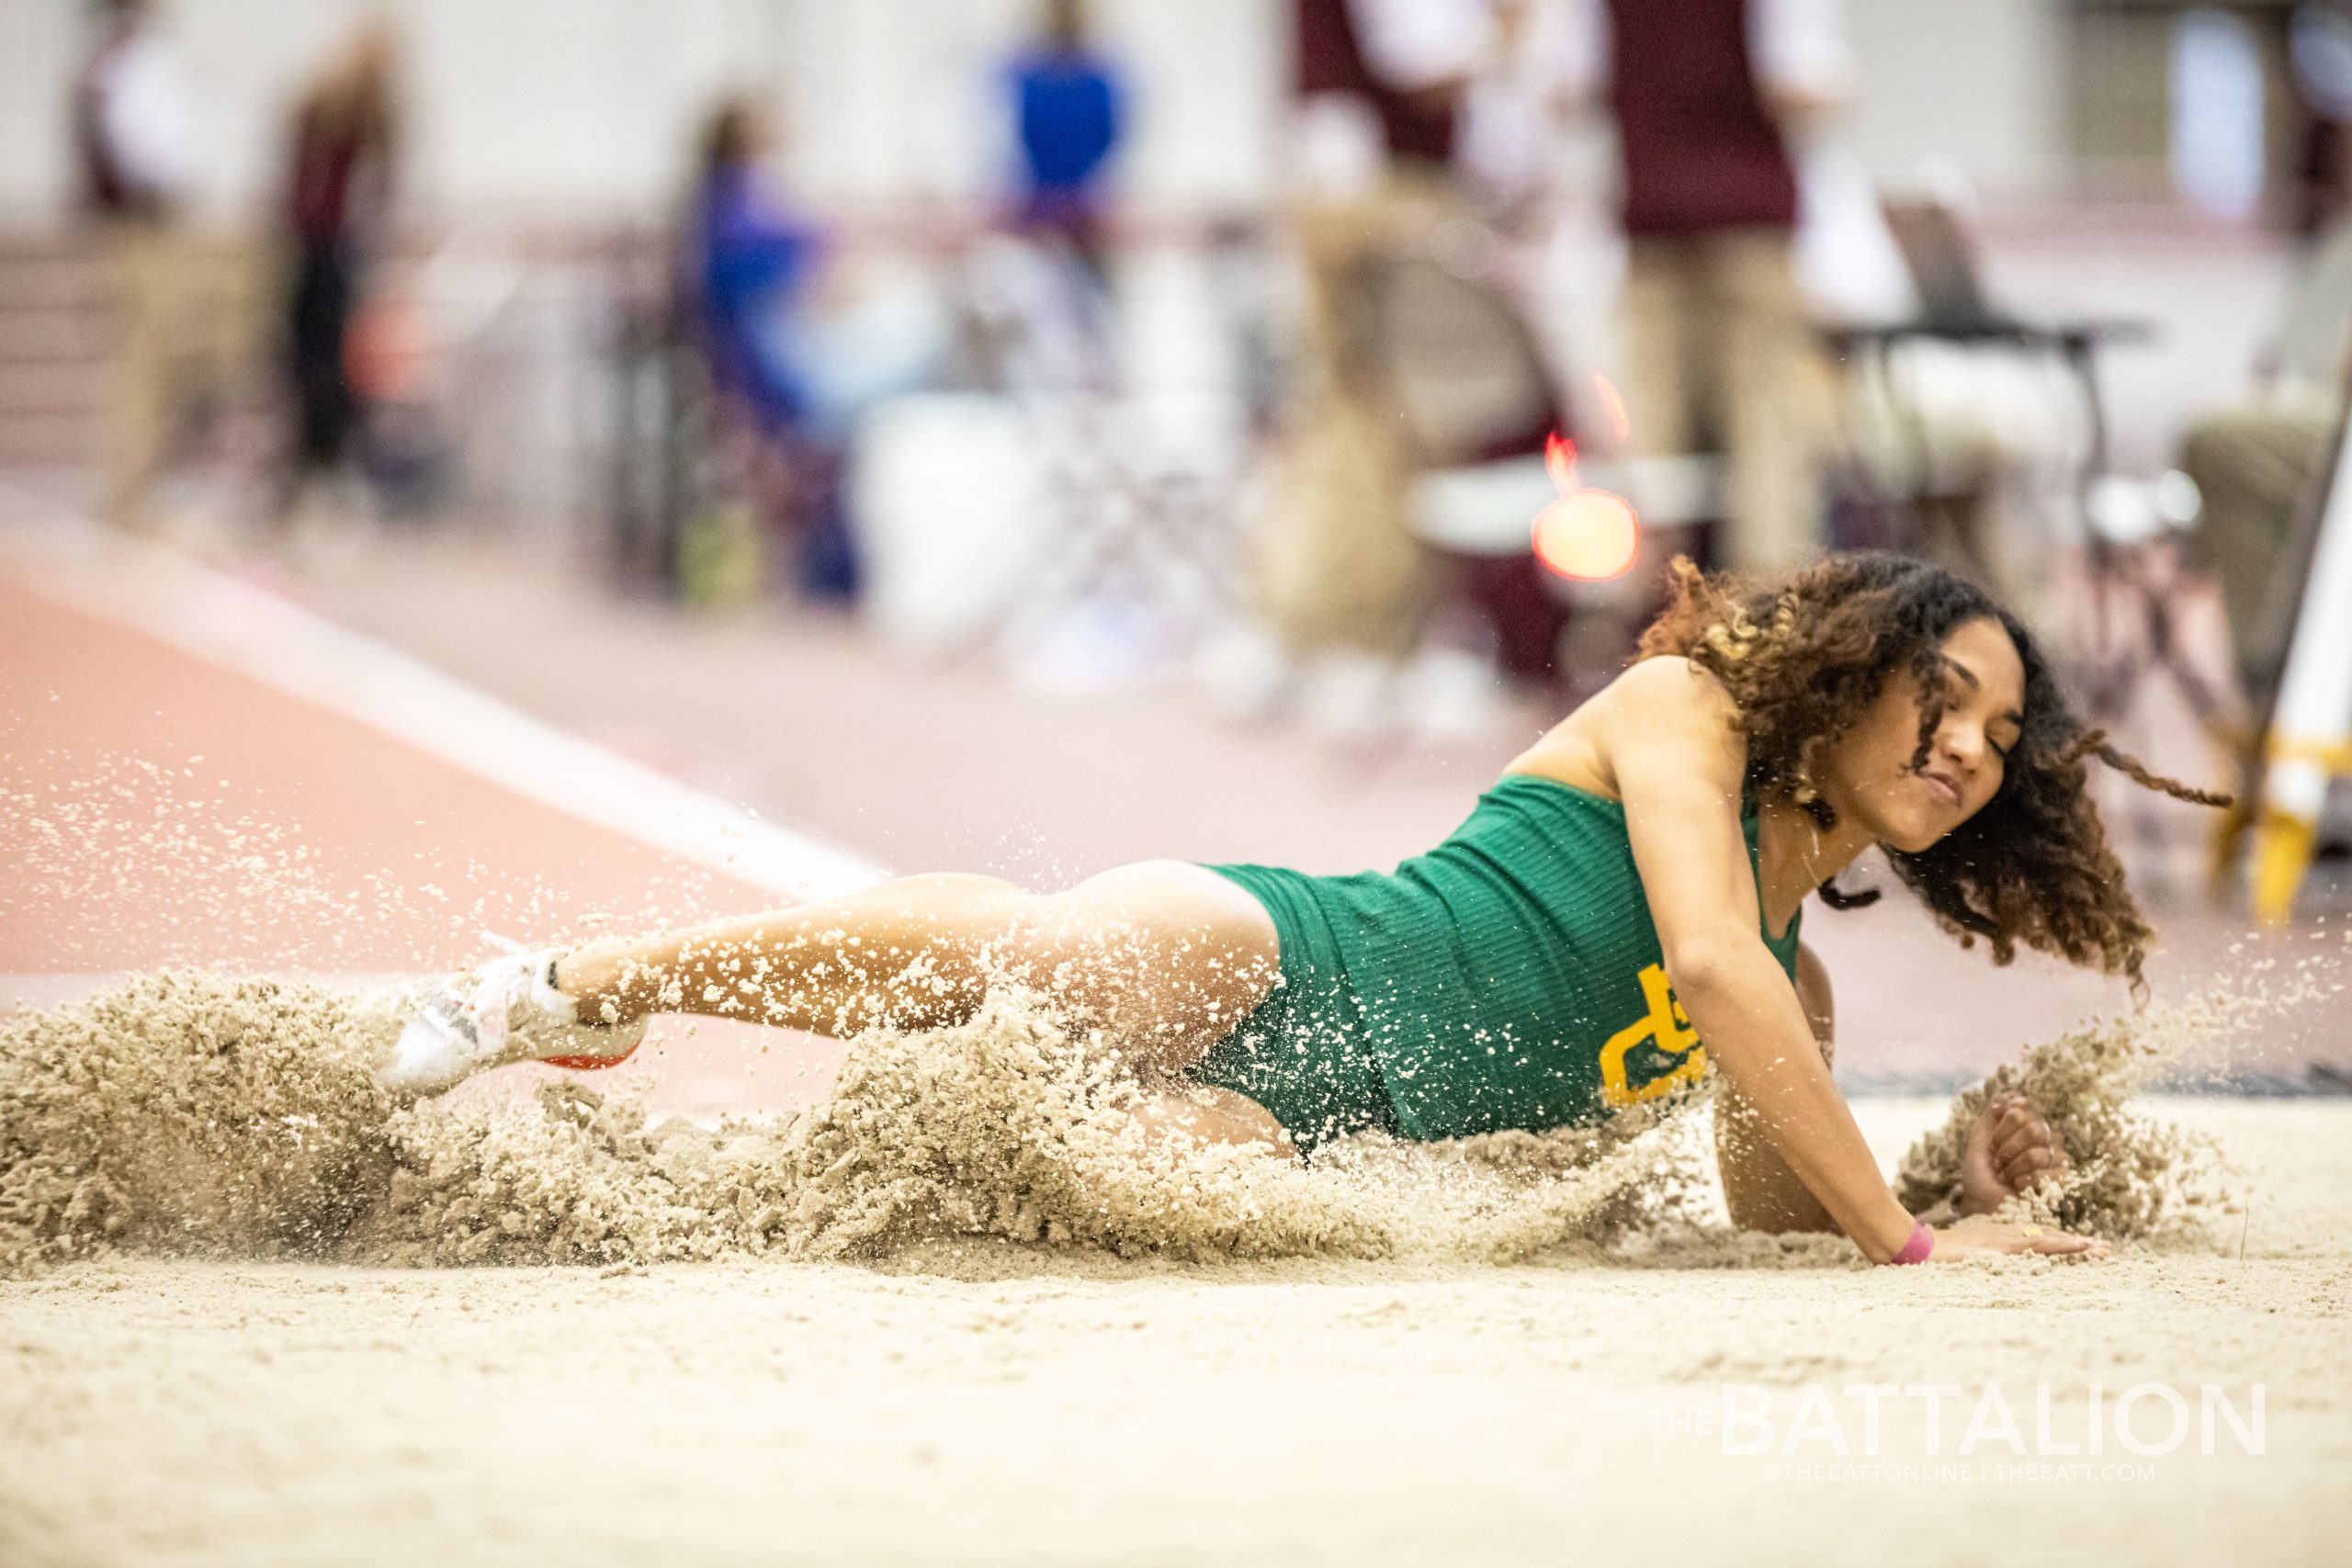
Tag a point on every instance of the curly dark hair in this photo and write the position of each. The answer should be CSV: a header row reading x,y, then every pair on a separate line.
x,y
1802,655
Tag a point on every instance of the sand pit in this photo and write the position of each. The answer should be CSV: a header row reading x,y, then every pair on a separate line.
x,y
1009,1406
988,1344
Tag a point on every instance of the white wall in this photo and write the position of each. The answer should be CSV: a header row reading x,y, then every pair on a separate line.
x,y
1978,83
37,58
583,109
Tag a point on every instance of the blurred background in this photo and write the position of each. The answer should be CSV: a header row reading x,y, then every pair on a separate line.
x,y
1025,435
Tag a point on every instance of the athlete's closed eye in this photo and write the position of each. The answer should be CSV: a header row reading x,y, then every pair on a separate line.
x,y
2012,731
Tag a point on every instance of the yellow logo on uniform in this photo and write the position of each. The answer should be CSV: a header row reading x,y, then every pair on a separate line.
x,y
1666,1028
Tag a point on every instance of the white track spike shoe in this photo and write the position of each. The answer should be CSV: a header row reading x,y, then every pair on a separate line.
x,y
507,1010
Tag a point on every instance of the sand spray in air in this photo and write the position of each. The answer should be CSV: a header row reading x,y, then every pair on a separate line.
x,y
126,835
184,1112
2131,1175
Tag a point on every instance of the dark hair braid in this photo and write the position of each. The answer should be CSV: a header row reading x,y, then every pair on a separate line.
x,y
2094,743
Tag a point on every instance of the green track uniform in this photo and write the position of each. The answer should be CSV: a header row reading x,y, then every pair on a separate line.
x,y
1510,977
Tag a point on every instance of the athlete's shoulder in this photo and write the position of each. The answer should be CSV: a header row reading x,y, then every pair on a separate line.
x,y
1664,705
1669,684
1674,714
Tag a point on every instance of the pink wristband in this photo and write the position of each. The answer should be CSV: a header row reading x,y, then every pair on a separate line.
x,y
1920,1248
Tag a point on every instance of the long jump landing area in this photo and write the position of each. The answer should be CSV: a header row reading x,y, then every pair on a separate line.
x,y
192,770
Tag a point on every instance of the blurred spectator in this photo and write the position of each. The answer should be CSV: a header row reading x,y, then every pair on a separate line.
x,y
132,134
2254,464
1070,108
343,147
752,264
1708,96
1507,132
1377,84
2321,52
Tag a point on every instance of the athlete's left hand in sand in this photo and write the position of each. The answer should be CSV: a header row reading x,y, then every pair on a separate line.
x,y
2011,1149
1970,1237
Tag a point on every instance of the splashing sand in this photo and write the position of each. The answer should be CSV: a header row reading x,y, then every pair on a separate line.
x,y
2130,1177
121,837
186,1112
181,1113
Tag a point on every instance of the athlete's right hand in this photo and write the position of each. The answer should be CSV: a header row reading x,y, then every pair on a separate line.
x,y
1970,1237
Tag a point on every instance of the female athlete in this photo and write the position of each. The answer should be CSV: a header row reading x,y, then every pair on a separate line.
x,y
1618,916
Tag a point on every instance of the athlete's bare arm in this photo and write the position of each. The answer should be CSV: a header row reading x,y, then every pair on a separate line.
x,y
1761,1192
1676,755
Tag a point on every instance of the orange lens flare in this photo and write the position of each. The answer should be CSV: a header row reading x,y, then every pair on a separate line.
x,y
1590,535
1560,462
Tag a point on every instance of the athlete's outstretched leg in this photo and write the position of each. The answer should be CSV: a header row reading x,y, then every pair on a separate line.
x,y
915,951
1165,956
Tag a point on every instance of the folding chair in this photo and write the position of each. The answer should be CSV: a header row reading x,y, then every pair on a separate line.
x,y
2130,567
1126,519
1440,342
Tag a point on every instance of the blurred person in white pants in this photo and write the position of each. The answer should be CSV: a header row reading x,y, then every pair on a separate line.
x,y
1378,82
132,134
1710,98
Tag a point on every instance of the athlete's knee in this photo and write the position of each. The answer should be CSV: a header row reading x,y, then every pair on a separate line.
x,y
953,912
941,889
1170,900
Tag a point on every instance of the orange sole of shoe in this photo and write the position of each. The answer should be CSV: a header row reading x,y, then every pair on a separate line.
x,y
591,1064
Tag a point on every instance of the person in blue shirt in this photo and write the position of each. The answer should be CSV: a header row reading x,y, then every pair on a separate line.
x,y
748,266
1070,110
750,269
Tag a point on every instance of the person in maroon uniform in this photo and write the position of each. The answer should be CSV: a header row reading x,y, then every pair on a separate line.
x,y
338,188
1706,95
